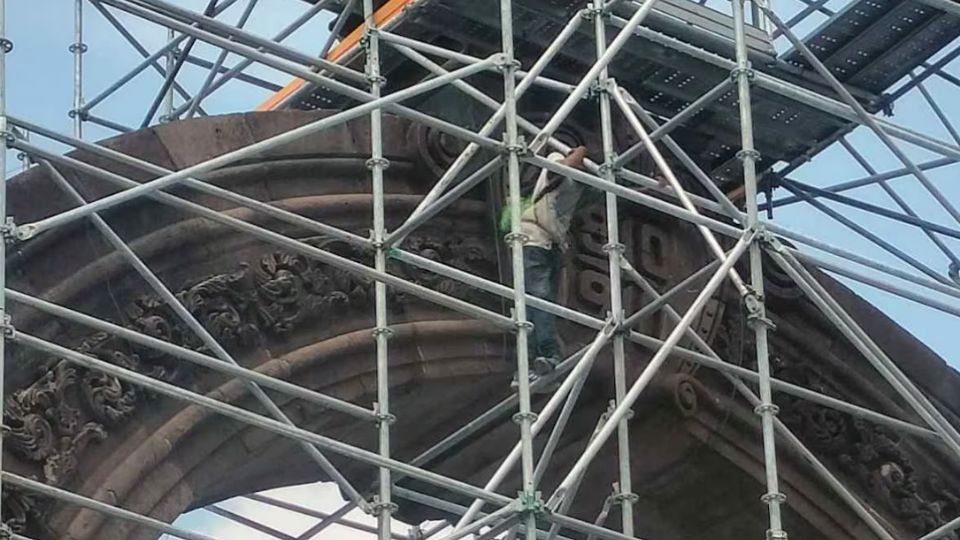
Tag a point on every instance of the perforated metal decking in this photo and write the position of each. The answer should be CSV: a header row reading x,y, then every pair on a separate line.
x,y
874,43
682,51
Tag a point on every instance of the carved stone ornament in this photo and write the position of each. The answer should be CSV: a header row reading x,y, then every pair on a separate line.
x,y
870,457
22,510
67,408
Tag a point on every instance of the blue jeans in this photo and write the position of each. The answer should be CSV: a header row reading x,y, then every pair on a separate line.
x,y
541,268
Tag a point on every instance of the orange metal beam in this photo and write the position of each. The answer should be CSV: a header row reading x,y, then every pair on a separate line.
x,y
386,13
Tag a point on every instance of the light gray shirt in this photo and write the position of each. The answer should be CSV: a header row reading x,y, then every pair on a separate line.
x,y
547,221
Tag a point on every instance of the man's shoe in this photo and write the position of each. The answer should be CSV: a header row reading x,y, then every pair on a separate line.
x,y
543,367
515,382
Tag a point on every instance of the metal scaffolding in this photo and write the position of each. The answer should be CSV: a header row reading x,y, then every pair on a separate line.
x,y
730,231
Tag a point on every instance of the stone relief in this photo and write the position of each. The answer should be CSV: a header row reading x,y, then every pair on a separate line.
x,y
873,461
53,420
873,457
22,510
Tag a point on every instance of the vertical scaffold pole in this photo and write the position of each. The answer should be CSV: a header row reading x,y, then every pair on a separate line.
x,y
754,299
383,506
78,48
614,254
513,146
171,63
5,47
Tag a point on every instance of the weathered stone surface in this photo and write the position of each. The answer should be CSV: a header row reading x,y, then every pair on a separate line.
x,y
697,460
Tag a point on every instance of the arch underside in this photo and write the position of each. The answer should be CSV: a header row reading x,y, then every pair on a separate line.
x,y
696,448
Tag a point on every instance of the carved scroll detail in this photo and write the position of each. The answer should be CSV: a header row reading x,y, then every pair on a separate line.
x,y
52,421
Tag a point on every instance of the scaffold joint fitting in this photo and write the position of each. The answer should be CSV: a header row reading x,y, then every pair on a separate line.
x,y
523,326
521,417
9,331
6,45
612,406
520,148
378,80
765,408
622,498
771,241
738,72
510,238
594,91
776,534
778,498
381,162
607,169
504,63
376,507
384,331
592,10
365,38
614,247
616,319
531,503
382,417
78,47
753,302
83,113
10,231
743,155
755,318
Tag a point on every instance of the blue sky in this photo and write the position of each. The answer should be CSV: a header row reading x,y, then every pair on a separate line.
x,y
40,89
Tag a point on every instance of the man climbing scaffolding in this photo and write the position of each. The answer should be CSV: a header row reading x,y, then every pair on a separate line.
x,y
545,220
547,213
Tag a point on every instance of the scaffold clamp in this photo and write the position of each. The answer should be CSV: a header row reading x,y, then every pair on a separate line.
x,y
779,534
778,498
612,406
377,507
520,417
381,162
753,302
765,408
614,247
382,417
621,498
9,331
520,148
503,62
384,331
10,231
737,72
510,238
531,503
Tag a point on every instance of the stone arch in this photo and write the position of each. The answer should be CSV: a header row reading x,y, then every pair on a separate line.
x,y
300,320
